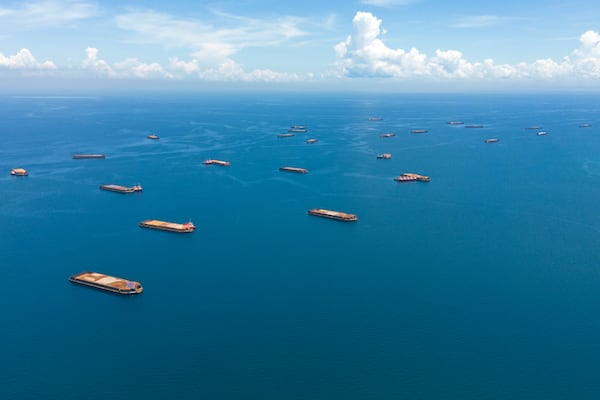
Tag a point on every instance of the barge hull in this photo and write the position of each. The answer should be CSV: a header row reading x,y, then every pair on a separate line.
x,y
168,226
337,215
107,283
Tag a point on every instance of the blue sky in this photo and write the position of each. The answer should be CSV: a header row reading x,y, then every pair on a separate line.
x,y
391,44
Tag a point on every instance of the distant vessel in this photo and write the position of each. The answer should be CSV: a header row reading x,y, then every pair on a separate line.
x,y
385,156
542,133
19,172
534,128
216,162
282,135
585,125
82,156
107,282
473,126
297,128
168,226
311,141
455,122
122,189
386,135
340,216
375,119
294,169
419,131
409,177
155,137
492,140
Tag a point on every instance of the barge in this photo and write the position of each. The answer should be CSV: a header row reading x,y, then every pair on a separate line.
x,y
188,227
419,131
217,162
122,189
84,156
340,216
153,137
585,125
455,122
542,133
410,177
473,126
492,140
385,156
282,135
298,129
19,172
294,169
386,135
107,283
311,141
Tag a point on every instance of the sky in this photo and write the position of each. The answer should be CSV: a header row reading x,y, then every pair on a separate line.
x,y
400,45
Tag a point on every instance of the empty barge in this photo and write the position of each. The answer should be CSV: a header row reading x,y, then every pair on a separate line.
x,y
107,283
294,169
410,177
340,216
82,156
188,227
122,189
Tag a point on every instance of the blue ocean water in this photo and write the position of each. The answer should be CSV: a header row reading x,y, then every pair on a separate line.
x,y
482,284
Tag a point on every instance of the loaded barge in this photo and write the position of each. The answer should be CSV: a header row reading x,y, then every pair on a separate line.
x,y
82,156
107,282
294,169
19,172
217,162
340,216
410,177
122,189
188,227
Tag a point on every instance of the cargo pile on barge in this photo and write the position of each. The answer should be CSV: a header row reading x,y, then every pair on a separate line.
x,y
107,282
294,169
340,216
410,177
188,227
122,189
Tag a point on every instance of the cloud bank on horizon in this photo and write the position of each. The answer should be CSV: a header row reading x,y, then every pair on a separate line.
x,y
364,54
211,50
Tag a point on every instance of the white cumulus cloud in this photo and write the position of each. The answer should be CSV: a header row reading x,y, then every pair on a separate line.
x,y
364,54
25,60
